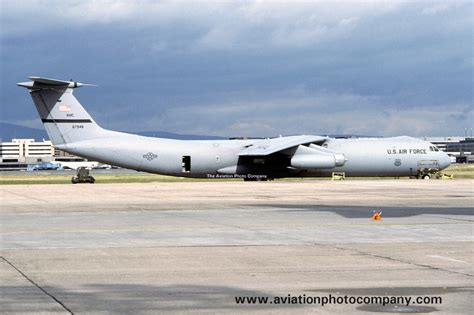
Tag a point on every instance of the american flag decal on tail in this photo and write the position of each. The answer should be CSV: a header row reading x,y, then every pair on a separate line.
x,y
64,108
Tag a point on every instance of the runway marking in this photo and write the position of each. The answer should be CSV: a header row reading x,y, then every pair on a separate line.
x,y
357,251
365,253
103,253
454,219
360,252
37,285
448,259
193,228
115,230
25,196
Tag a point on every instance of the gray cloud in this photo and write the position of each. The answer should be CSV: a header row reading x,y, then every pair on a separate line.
x,y
249,68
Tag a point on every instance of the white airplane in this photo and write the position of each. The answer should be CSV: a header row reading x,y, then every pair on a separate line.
x,y
72,129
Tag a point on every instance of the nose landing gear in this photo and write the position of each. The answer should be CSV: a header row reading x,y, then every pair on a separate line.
x,y
427,173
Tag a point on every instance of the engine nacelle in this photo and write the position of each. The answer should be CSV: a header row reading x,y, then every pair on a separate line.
x,y
309,161
340,159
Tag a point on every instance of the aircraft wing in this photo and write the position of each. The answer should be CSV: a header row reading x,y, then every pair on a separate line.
x,y
273,145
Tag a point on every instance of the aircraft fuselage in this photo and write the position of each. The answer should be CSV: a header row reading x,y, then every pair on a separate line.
x,y
398,156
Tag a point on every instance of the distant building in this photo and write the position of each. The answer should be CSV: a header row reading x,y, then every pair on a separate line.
x,y
461,148
63,156
19,153
26,151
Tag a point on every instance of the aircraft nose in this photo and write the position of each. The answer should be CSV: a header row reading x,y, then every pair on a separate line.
x,y
445,160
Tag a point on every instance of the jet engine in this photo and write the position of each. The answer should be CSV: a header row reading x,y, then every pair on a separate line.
x,y
315,157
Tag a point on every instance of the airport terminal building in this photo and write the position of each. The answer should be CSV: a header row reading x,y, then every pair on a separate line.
x,y
17,154
460,148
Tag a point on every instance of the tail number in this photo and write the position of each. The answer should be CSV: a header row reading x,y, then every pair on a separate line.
x,y
77,126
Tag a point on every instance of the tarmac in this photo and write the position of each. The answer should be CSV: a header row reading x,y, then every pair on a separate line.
x,y
196,246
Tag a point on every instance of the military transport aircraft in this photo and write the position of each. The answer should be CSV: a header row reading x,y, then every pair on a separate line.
x,y
73,130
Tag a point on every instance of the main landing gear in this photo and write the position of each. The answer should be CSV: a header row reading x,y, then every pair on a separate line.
x,y
82,176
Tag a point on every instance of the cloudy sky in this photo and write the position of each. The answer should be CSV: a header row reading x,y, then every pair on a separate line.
x,y
241,68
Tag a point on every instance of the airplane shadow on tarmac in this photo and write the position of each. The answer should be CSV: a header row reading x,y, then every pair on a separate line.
x,y
366,211
139,299
134,299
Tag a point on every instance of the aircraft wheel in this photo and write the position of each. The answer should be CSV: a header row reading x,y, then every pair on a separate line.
x,y
74,180
426,176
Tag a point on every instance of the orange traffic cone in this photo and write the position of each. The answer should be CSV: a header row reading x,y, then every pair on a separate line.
x,y
376,216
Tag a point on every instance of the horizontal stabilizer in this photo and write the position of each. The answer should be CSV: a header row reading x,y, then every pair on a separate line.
x,y
48,81
39,82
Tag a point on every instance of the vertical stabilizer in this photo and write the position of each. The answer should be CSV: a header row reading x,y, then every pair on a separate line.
x,y
64,118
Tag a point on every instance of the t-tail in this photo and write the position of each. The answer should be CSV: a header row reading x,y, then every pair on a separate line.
x,y
64,118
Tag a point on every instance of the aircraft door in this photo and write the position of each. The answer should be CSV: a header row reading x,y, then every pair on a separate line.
x,y
186,164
